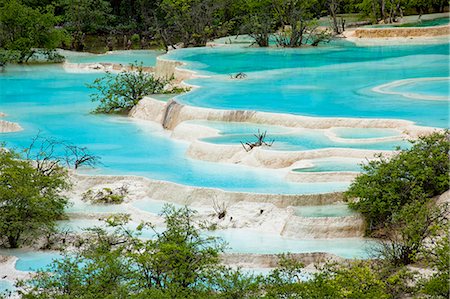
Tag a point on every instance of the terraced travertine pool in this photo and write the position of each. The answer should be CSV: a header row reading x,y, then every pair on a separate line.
x,y
56,103
340,210
290,139
307,140
336,80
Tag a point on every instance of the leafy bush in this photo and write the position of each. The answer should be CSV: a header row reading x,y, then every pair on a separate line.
x,y
437,286
119,93
414,175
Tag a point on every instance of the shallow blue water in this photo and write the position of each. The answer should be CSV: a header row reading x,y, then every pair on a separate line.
x,y
332,165
6,286
296,140
249,241
332,81
304,141
31,260
48,99
324,211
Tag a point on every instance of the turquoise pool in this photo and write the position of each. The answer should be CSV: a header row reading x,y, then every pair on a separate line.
x,y
332,165
307,140
31,260
332,81
324,211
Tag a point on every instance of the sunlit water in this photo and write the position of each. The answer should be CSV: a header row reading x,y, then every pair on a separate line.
x,y
6,286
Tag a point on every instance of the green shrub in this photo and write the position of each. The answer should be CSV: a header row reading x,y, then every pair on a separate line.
x,y
119,93
414,175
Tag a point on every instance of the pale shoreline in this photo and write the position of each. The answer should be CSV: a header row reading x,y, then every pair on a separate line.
x,y
7,126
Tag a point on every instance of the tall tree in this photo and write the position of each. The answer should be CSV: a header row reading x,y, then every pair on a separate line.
x,y
297,19
259,20
193,22
86,16
30,201
23,29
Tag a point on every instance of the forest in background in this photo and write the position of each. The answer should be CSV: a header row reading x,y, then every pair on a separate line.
x,y
102,25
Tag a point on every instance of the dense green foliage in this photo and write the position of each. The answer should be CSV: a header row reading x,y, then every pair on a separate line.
x,y
396,196
30,200
119,93
23,29
180,262
100,25
413,176
438,285
176,264
389,10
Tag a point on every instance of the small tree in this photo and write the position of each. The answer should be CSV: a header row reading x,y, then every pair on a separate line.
x,y
119,93
30,200
298,24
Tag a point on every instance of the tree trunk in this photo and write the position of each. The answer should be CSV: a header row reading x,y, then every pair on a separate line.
x,y
333,13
